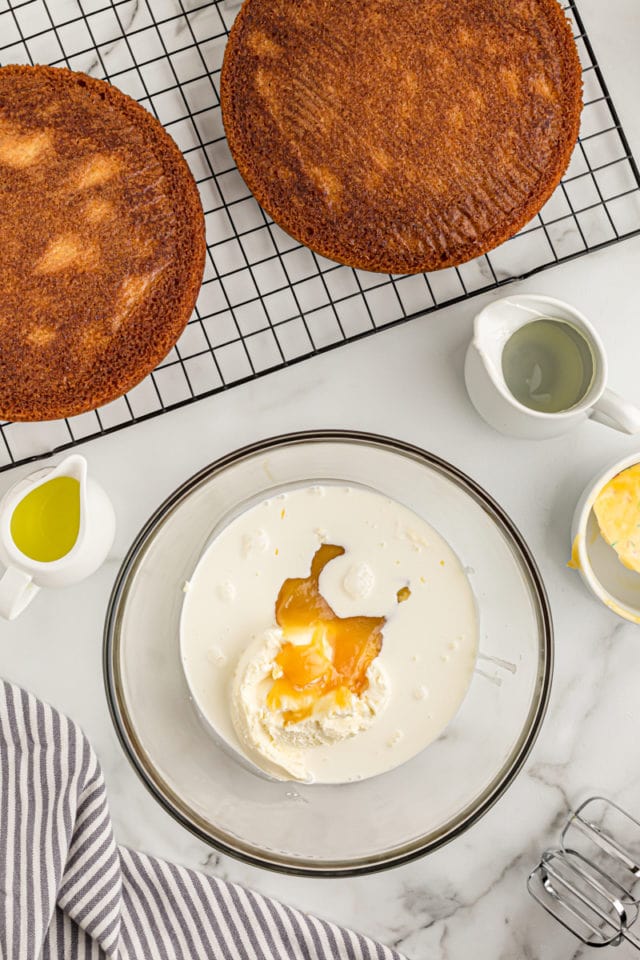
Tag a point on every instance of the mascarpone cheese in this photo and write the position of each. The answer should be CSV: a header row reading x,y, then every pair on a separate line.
x,y
264,732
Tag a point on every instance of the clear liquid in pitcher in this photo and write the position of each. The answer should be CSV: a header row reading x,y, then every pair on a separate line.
x,y
548,365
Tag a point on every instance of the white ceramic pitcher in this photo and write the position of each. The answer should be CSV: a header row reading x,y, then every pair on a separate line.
x,y
494,401
24,576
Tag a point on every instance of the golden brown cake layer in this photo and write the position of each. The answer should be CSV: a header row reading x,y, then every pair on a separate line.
x,y
401,135
101,243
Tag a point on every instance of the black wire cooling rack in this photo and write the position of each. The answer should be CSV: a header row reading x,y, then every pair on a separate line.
x,y
267,302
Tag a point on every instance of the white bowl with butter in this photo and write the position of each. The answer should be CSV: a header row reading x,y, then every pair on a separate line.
x,y
607,578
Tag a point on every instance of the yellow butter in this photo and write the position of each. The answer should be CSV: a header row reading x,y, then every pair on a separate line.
x,y
617,510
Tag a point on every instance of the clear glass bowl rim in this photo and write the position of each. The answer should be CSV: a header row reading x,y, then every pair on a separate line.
x,y
171,803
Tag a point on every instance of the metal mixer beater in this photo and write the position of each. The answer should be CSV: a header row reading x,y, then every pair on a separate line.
x,y
591,883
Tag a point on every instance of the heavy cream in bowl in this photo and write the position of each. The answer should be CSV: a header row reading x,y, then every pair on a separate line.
x,y
328,634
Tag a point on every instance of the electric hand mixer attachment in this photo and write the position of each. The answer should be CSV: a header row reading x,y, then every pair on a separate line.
x,y
591,883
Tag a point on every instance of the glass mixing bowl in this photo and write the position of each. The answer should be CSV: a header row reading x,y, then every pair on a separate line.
x,y
356,827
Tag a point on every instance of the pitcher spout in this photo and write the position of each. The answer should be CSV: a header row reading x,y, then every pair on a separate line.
x,y
489,338
73,466
495,324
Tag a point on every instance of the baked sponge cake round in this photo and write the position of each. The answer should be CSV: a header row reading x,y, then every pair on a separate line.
x,y
102,243
401,135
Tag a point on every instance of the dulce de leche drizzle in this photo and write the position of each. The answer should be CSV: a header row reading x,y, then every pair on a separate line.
x,y
338,653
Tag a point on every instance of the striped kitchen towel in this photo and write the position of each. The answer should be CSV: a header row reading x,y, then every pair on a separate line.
x,y
67,892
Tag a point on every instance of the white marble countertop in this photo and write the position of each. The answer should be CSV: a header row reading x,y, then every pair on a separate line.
x,y
468,899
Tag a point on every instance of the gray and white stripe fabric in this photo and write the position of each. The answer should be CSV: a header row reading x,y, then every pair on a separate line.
x,y
68,892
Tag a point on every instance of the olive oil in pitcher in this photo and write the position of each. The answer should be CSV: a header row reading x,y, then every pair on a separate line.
x,y
46,522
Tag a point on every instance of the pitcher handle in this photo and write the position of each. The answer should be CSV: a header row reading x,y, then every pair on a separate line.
x,y
17,590
614,411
